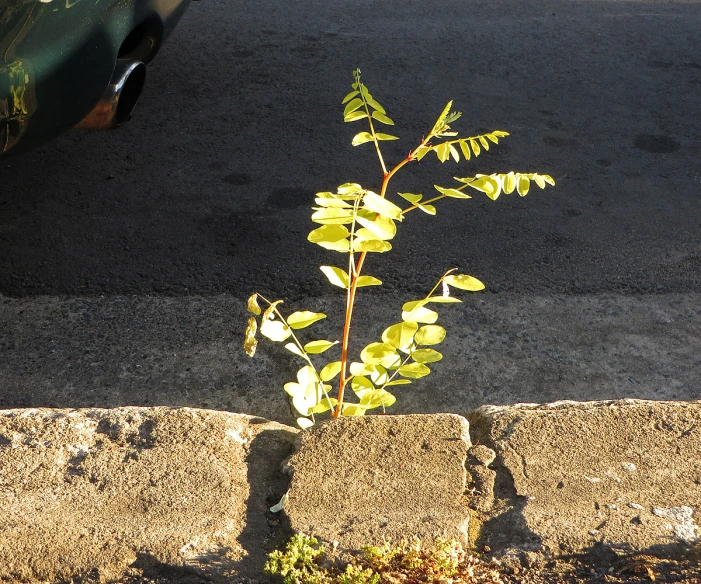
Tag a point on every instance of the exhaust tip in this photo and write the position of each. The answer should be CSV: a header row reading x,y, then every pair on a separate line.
x,y
119,99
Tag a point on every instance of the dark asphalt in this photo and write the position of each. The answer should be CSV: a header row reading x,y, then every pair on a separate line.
x,y
208,189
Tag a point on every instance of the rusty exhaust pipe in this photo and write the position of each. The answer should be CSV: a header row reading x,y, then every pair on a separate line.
x,y
119,99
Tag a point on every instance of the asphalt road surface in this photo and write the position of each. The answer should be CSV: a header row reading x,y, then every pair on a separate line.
x,y
126,257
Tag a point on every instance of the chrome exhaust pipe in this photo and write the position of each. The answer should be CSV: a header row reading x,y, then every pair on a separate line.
x,y
119,99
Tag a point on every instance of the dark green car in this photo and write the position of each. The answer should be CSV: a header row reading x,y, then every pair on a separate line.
x,y
66,63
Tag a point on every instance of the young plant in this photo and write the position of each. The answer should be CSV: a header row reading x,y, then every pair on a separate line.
x,y
355,221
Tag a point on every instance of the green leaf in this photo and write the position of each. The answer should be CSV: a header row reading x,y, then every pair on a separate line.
x,y
443,151
414,370
452,193
293,348
336,276
381,227
350,96
465,150
411,197
324,405
380,205
539,180
426,356
331,200
400,335
352,105
253,304
371,245
303,423
374,104
302,319
368,281
342,245
317,347
484,142
360,369
280,504
523,185
464,282
444,299
430,334
420,314
332,216
361,138
398,382
421,152
500,133
381,136
350,189
374,353
330,371
328,234
441,119
509,182
275,330
493,138
454,153
355,116
548,179
380,117
487,184
377,398
430,209
475,147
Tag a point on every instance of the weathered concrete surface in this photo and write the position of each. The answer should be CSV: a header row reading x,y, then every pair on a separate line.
x,y
356,481
102,490
571,475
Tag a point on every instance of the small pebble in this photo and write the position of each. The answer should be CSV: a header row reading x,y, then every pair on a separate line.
x,y
612,506
628,466
593,532
592,479
635,506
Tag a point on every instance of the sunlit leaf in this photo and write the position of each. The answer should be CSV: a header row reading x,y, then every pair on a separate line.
x,y
361,138
367,281
304,318
523,185
342,245
293,348
380,205
444,299
398,382
454,153
421,152
374,104
374,353
330,371
302,405
380,117
382,227
430,334
332,216
443,152
360,369
381,136
350,189
426,356
548,179
484,142
355,116
336,276
377,398
440,122
414,370
539,180
453,193
493,138
253,304
332,201
350,96
464,282
280,504
324,405
475,147
250,343
353,410
488,185
304,423
372,245
275,330
352,105
316,347
411,197
509,183
420,314
400,335
430,209
465,150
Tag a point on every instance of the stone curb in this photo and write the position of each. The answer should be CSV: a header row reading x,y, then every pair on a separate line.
x,y
182,491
